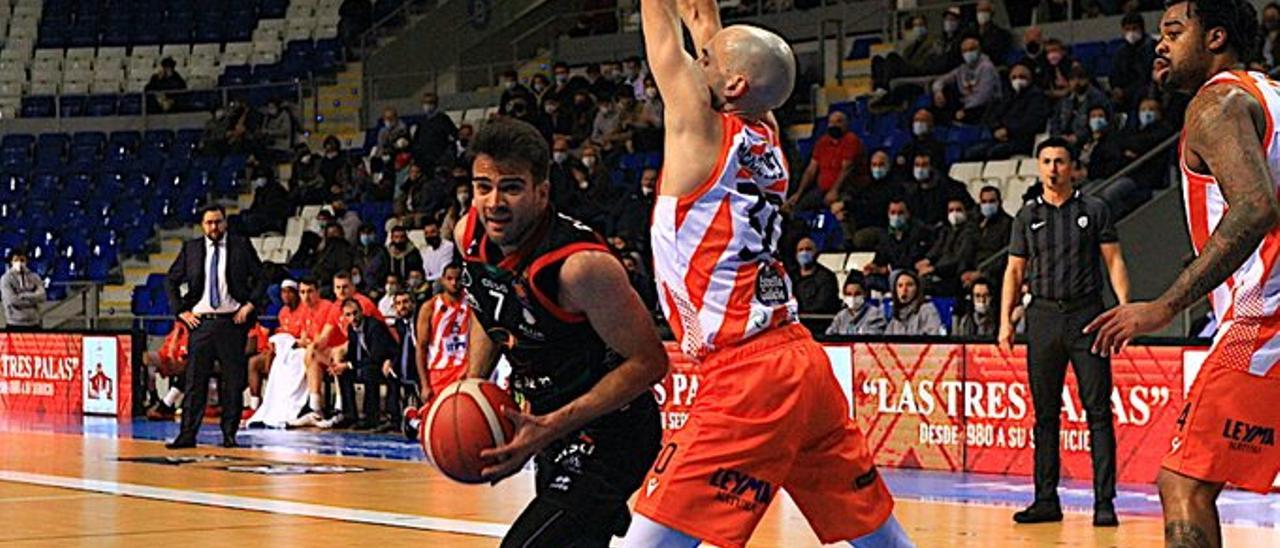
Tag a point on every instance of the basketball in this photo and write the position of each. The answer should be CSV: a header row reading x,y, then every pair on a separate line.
x,y
465,419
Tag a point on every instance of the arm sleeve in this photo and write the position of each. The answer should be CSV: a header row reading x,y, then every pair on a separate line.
x,y
1018,237
176,277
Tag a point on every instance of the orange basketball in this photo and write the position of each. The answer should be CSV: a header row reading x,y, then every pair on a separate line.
x,y
466,418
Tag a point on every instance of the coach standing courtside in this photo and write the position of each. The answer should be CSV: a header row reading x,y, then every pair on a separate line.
x,y
225,287
1058,246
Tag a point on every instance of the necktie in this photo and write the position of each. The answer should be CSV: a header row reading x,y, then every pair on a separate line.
x,y
215,300
408,348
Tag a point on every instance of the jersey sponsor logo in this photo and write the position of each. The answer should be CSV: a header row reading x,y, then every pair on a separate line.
x,y
771,287
649,489
1248,437
1038,225
740,490
760,160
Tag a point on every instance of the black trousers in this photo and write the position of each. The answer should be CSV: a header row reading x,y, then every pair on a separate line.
x,y
215,339
373,379
1053,338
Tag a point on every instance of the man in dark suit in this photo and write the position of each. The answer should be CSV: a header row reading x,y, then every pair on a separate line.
x,y
371,354
406,369
225,289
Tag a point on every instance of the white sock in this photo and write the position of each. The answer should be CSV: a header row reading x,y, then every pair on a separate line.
x,y
254,402
171,398
646,533
889,535
313,401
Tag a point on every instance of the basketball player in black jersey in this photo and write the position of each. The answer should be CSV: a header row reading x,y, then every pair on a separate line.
x,y
549,296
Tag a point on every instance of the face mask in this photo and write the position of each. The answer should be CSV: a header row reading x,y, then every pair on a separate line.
x,y
464,199
392,289
19,266
1146,117
549,108
562,79
539,86
559,156
1132,36
1020,84
922,173
897,222
835,132
330,154
950,26
367,239
920,129
984,17
305,159
970,57
805,258
879,172
956,218
508,84
981,308
919,33
989,210
355,279
1054,57
646,191
854,303
260,182
428,108
1097,124
433,241
415,282
651,93
589,161
402,143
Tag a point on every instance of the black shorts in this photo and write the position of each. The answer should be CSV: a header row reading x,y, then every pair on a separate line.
x,y
584,480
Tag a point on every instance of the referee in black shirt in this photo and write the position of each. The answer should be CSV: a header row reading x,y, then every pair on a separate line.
x,y
1059,244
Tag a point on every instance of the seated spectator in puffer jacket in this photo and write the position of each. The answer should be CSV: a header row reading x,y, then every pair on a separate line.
x,y
912,315
858,316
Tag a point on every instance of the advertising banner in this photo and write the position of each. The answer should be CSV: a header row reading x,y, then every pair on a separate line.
x,y
45,373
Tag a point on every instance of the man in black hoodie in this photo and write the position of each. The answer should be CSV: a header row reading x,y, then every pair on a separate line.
x,y
1015,121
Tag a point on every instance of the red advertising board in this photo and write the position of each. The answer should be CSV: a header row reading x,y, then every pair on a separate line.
x,y
44,373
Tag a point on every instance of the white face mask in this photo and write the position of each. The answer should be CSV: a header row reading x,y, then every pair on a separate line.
x,y
981,308
1132,37
651,93
970,57
854,302
589,161
922,173
1020,84
956,218
984,17
559,156
950,26
920,129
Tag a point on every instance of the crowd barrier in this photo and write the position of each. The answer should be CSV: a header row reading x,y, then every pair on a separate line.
x,y
967,407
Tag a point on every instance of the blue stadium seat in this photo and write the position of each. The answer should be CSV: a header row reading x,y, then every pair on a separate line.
x,y
130,104
101,105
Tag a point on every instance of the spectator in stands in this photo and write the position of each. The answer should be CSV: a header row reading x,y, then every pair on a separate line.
x,y
424,198
980,318
561,175
562,86
634,75
930,191
540,85
864,202
584,112
371,255
993,236
349,220
916,54
1269,55
1131,65
512,89
334,254
1033,48
816,289
1015,121
438,252
632,213
269,210
417,287
964,94
1101,155
465,133
641,282
954,248
225,132
461,203
1072,119
858,316
433,136
1132,190
836,155
592,198
165,79
912,315
922,140
392,130
356,16
607,124
600,87
953,27
646,132
371,350
335,168
402,255
22,292
278,130
556,120
903,244
387,303
996,41
1054,72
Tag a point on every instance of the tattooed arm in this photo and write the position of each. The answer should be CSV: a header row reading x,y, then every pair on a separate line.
x,y
1224,138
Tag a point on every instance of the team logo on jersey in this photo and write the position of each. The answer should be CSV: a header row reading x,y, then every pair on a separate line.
x,y
771,286
1083,222
740,490
761,160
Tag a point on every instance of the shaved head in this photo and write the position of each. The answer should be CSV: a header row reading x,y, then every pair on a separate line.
x,y
748,69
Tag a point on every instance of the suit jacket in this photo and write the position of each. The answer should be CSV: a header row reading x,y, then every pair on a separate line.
x,y
404,328
245,280
378,345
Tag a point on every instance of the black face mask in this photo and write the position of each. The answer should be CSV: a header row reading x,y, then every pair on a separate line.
x,y
835,132
1033,48
433,241
400,246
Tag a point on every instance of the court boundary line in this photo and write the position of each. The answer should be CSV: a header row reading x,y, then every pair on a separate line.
x,y
270,506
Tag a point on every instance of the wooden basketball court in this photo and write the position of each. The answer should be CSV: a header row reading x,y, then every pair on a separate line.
x,y
66,489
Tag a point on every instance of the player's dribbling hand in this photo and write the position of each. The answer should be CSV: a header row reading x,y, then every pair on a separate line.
x,y
533,432
1118,326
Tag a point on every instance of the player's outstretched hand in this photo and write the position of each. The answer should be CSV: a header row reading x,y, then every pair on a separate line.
x,y
1117,327
533,432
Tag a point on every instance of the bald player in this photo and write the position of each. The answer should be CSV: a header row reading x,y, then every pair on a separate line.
x,y
770,414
